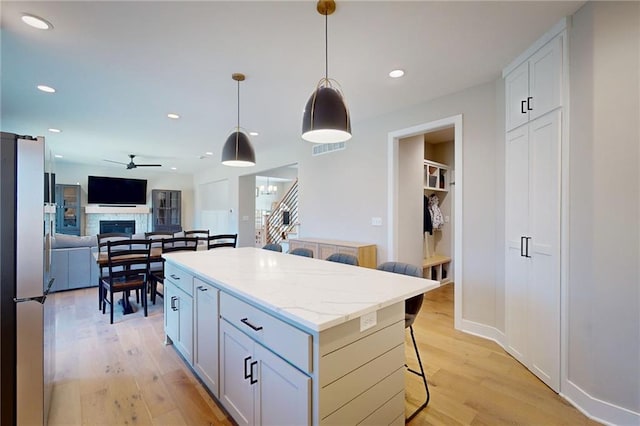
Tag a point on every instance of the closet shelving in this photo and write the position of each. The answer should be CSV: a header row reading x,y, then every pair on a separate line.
x,y
435,176
436,180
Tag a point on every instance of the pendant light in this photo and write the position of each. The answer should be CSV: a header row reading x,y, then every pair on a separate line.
x,y
326,116
237,150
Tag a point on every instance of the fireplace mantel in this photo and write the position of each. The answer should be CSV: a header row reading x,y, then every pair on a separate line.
x,y
97,209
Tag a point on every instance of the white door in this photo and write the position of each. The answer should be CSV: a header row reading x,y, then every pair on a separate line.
x,y
545,78
170,311
205,357
544,248
185,325
236,367
532,264
284,392
517,92
517,228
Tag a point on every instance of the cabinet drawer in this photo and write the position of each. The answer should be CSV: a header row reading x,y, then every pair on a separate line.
x,y
289,342
347,250
181,278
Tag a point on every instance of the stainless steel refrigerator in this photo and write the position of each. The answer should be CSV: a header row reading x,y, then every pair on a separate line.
x,y
25,370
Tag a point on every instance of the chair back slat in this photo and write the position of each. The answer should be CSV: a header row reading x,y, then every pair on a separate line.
x,y
179,244
222,240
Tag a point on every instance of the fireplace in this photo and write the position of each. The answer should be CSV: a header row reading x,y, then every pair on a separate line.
x,y
124,226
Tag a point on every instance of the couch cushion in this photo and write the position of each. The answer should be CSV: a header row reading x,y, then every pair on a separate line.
x,y
72,241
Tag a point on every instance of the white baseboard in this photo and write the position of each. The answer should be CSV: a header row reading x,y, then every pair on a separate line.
x,y
596,409
482,330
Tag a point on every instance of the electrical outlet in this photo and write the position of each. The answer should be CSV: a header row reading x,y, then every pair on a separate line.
x,y
446,219
376,221
368,320
245,218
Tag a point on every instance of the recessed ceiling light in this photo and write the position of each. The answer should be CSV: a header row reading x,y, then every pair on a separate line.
x,y
254,133
174,168
396,73
47,89
209,153
52,130
58,156
173,115
36,22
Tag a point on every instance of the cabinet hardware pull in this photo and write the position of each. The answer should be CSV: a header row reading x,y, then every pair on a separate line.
x,y
246,375
173,303
526,239
202,288
174,277
252,380
522,246
529,99
522,107
245,321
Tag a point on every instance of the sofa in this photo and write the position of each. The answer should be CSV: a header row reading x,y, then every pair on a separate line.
x,y
72,262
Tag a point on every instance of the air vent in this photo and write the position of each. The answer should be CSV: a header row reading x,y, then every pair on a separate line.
x,y
326,148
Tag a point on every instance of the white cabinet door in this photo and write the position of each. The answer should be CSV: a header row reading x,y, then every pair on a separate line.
x,y
544,248
284,392
534,88
545,78
237,372
185,326
205,357
532,263
517,92
171,318
517,229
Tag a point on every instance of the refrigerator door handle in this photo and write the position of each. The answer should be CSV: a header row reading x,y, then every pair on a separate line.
x,y
39,299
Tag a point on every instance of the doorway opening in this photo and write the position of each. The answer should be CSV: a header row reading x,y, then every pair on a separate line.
x,y
425,166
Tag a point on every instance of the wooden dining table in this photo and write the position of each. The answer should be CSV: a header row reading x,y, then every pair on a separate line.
x,y
102,259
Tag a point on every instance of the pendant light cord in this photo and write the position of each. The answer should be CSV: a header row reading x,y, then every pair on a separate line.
x,y
238,105
326,46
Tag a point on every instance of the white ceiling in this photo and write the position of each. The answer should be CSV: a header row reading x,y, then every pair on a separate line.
x,y
119,67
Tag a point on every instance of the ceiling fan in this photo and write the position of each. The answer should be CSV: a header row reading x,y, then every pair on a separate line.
x,y
131,165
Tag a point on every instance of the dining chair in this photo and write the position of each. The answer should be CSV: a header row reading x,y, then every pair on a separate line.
x,y
128,269
103,239
169,245
273,247
349,259
411,308
300,251
222,240
201,234
156,238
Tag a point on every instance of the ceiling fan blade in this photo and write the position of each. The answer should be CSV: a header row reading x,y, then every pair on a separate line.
x,y
117,162
148,165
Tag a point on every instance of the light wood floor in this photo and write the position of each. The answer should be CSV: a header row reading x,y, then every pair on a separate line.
x,y
123,374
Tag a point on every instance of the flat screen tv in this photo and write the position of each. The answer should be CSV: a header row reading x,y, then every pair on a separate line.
x,y
110,190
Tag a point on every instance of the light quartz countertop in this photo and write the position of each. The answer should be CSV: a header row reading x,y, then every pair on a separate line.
x,y
314,294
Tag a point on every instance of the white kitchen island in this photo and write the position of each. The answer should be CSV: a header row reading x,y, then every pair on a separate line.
x,y
288,340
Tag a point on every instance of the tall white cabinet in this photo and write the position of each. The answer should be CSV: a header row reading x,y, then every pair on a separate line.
x,y
534,113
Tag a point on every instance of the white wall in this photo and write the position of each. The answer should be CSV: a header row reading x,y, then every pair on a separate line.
x,y
340,192
604,202
72,173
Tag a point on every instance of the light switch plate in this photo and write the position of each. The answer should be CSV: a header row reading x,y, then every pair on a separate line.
x,y
376,221
368,320
245,218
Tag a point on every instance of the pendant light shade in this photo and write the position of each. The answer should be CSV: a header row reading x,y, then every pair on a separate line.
x,y
237,150
326,116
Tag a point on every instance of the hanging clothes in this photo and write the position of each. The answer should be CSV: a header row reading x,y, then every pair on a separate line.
x,y
436,215
427,225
